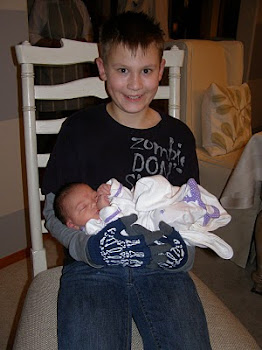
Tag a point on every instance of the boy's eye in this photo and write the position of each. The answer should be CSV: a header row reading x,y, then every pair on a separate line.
x,y
122,70
146,70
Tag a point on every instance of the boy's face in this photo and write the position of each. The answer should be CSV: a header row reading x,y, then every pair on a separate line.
x,y
81,206
132,79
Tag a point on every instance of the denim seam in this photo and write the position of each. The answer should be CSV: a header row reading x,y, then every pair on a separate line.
x,y
129,319
140,298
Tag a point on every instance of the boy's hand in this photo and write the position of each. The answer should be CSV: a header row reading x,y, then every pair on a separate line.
x,y
168,249
110,247
177,256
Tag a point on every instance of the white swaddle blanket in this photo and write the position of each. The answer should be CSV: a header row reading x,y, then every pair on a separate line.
x,y
190,209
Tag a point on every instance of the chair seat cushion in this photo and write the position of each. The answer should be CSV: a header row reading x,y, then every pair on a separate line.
x,y
228,160
218,168
37,326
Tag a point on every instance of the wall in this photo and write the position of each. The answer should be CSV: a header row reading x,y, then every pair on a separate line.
x,y
255,65
14,29
248,33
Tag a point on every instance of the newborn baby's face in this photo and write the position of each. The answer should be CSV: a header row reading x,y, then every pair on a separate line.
x,y
82,205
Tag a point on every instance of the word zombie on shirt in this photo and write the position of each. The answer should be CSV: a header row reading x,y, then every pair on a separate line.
x,y
160,160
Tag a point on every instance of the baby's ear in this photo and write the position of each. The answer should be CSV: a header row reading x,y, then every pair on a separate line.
x,y
70,224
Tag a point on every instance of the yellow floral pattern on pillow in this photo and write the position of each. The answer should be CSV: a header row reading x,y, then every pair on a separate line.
x,y
226,118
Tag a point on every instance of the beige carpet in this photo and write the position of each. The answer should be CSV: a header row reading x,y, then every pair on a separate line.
x,y
13,285
231,283
14,281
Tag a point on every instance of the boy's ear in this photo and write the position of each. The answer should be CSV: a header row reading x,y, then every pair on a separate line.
x,y
162,67
101,68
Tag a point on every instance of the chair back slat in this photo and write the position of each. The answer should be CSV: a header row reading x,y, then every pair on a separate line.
x,y
49,126
92,86
42,160
71,52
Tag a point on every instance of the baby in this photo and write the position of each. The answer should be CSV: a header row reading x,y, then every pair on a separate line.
x,y
190,209
77,203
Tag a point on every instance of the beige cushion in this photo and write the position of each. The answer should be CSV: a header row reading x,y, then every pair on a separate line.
x,y
234,53
218,168
226,118
227,161
37,326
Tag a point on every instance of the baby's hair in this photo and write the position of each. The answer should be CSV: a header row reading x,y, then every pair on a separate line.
x,y
131,29
61,194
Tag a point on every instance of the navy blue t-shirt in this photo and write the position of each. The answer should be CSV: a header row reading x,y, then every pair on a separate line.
x,y
92,148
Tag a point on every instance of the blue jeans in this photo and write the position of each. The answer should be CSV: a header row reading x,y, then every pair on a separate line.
x,y
96,306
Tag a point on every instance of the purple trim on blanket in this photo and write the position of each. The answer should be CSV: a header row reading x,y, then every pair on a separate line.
x,y
196,197
110,217
214,215
119,190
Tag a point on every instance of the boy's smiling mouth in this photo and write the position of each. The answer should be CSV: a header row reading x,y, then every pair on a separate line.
x,y
136,97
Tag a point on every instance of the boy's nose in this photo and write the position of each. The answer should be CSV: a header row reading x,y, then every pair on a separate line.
x,y
134,82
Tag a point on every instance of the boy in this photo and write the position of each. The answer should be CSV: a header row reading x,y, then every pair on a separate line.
x,y
95,306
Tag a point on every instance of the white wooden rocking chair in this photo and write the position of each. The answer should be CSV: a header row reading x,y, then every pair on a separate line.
x,y
37,327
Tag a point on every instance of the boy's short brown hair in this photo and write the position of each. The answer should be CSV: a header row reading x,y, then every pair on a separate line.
x,y
131,29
